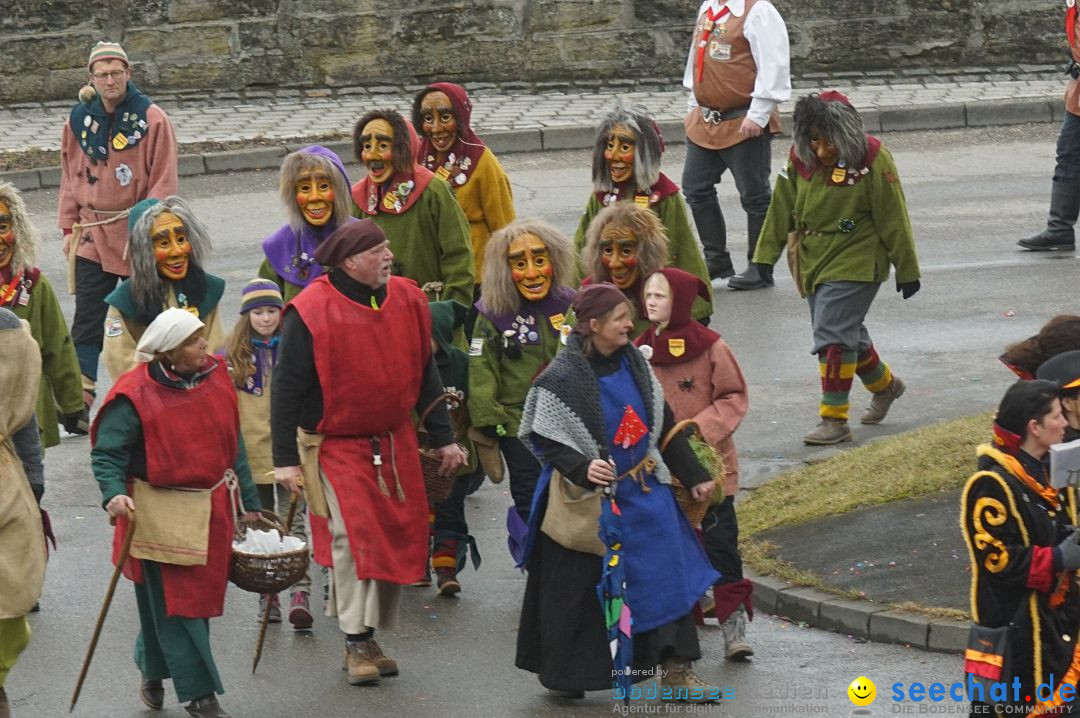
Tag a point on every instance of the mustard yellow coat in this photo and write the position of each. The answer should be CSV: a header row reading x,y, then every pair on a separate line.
x,y
488,204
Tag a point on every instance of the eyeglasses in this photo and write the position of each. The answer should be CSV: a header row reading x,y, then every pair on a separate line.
x,y
102,76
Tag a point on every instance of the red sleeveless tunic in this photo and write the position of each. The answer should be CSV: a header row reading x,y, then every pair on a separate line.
x,y
370,364
191,437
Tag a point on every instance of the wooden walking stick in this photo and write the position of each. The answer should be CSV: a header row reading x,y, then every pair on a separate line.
x,y
266,611
124,551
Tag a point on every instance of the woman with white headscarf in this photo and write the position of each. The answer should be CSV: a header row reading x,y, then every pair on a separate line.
x,y
143,450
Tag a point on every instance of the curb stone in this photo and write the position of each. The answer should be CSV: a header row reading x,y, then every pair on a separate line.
x,y
859,619
954,115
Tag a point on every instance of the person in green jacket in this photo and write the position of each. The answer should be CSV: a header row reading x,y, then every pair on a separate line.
x,y
528,273
626,167
840,198
451,541
427,230
26,292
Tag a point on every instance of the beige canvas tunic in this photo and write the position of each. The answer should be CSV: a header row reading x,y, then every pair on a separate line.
x,y
22,542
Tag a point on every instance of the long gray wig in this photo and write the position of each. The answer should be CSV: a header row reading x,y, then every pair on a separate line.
x,y
832,118
147,287
642,223
27,239
501,294
650,147
291,167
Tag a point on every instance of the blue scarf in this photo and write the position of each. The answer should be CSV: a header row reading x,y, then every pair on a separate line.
x,y
97,130
264,358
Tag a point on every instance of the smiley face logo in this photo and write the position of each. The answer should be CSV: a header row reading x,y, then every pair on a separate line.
x,y
862,691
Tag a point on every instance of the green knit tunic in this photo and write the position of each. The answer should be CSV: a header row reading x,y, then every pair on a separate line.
x,y
683,250
431,242
497,383
873,210
61,380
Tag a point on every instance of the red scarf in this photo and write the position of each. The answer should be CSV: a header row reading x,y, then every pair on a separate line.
x,y
706,30
684,338
399,193
1070,23
663,189
467,148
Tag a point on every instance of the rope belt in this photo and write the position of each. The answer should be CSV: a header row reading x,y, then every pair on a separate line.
x,y
639,472
376,455
232,485
112,215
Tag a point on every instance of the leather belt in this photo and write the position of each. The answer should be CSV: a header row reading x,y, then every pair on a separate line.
x,y
715,117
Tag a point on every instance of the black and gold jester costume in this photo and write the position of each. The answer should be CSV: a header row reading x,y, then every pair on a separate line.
x,y
1012,521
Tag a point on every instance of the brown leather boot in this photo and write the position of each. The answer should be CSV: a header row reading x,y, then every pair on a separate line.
x,y
829,431
152,693
882,400
360,666
678,682
387,666
206,707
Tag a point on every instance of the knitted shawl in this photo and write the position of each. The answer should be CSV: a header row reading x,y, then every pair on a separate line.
x,y
563,404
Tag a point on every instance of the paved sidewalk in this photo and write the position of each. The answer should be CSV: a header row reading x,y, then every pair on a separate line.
x,y
905,104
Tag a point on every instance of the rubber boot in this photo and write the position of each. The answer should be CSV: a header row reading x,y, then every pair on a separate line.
x,y
751,277
1064,209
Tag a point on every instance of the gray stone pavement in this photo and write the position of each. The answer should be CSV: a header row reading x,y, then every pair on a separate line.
x,y
888,104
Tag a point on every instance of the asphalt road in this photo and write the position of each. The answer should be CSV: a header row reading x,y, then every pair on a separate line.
x,y
972,194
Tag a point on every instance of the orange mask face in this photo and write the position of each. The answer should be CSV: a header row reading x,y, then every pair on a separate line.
x,y
171,248
619,153
437,121
377,150
530,266
315,195
619,254
7,235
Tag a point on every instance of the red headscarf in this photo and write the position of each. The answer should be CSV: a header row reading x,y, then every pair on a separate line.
x,y
406,187
467,147
683,338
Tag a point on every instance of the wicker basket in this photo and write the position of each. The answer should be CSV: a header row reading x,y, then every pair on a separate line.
x,y
262,573
438,487
694,510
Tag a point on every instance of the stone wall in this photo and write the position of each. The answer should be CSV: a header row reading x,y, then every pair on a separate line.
x,y
244,44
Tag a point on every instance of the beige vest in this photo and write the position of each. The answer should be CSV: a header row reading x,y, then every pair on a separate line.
x,y
727,82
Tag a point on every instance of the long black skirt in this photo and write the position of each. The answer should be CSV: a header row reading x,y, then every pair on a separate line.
x,y
561,635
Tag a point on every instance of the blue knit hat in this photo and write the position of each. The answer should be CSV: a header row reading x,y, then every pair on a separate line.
x,y
260,293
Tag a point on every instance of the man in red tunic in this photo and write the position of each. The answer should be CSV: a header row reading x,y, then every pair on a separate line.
x,y
355,360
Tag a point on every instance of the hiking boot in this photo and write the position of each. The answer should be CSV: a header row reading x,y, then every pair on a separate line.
x,y
361,668
879,405
5,709
447,582
678,682
299,613
387,666
735,646
275,607
152,693
750,278
206,707
829,431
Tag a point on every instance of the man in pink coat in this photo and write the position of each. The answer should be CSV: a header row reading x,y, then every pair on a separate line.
x,y
117,149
